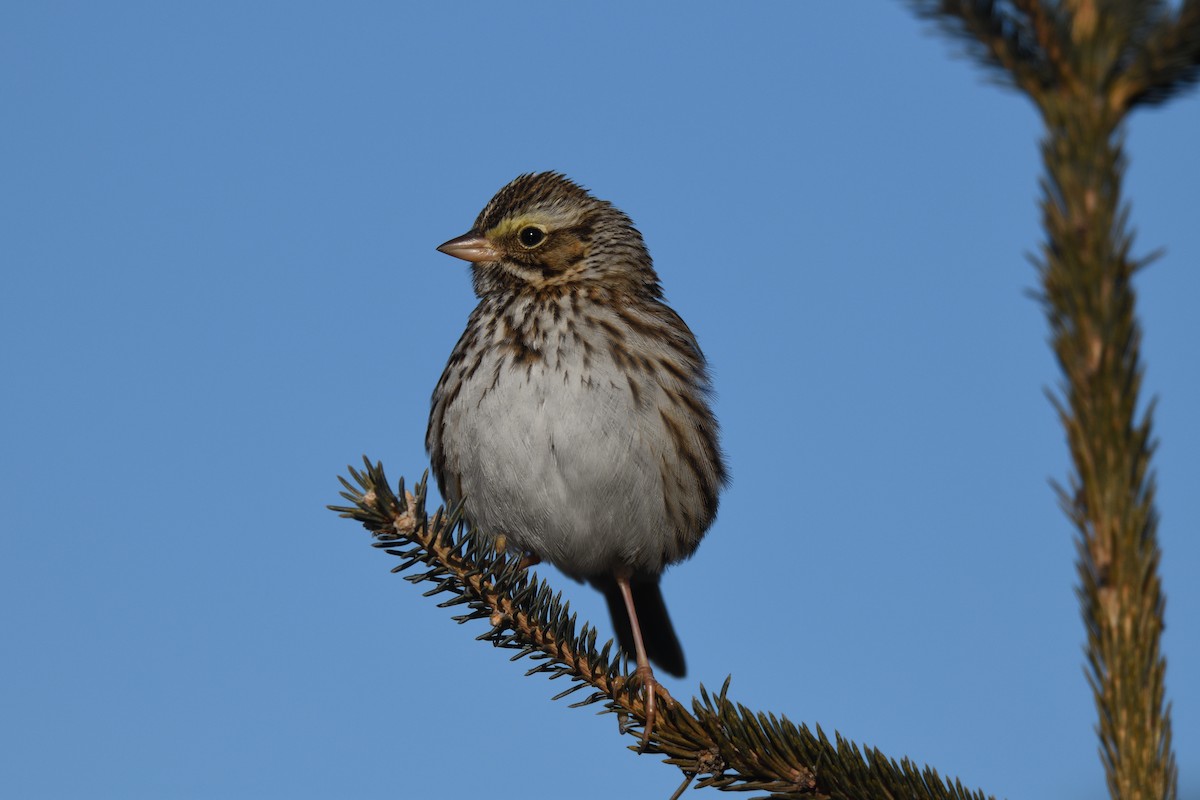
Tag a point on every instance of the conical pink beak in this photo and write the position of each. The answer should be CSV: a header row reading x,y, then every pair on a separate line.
x,y
471,246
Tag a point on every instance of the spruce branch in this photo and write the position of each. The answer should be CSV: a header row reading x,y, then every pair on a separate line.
x,y
716,742
1043,47
1089,300
1168,62
1022,48
1118,53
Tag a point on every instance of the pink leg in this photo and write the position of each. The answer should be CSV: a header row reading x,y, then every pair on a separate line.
x,y
650,686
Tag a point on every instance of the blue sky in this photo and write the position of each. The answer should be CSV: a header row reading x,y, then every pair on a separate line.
x,y
218,230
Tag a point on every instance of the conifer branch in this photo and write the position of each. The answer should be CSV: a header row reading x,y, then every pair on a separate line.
x,y
1022,49
1087,272
1154,51
1168,61
1045,22
717,742
1118,53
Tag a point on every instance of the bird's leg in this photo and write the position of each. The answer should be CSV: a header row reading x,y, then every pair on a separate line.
x,y
650,686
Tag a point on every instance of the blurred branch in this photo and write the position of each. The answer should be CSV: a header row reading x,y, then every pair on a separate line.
x,y
1167,63
718,742
1023,49
1105,57
1044,47
1089,300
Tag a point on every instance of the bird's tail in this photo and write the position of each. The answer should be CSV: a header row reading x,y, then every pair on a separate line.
x,y
658,634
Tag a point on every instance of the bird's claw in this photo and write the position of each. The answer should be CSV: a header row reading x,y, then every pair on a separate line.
x,y
652,690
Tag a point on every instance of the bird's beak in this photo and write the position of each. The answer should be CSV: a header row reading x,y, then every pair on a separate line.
x,y
471,246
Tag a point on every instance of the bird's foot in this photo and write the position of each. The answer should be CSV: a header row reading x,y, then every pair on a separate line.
x,y
652,690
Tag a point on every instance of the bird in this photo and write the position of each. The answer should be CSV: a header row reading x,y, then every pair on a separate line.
x,y
573,420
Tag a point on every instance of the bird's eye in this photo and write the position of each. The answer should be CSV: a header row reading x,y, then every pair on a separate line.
x,y
531,237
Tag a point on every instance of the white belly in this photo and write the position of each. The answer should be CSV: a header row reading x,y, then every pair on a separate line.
x,y
565,467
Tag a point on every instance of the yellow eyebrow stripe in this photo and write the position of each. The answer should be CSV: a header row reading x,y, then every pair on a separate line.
x,y
507,227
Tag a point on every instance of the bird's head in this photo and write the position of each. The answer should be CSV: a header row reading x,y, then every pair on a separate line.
x,y
542,232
